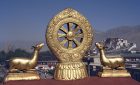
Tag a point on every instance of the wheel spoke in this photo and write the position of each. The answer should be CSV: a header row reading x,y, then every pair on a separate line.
x,y
63,29
69,26
70,44
76,42
63,42
76,28
61,35
79,35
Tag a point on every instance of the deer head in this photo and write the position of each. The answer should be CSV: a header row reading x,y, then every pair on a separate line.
x,y
100,45
38,46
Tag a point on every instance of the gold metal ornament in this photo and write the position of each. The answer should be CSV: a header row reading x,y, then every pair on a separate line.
x,y
112,66
69,36
22,68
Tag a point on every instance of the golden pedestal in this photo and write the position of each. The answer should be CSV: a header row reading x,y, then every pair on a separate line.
x,y
32,75
70,71
114,73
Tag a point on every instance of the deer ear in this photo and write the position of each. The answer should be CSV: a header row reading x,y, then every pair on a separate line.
x,y
32,47
105,47
95,43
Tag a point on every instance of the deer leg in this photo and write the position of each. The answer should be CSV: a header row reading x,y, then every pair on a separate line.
x,y
13,70
106,68
121,68
31,70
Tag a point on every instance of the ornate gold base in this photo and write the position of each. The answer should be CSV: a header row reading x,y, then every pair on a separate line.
x,y
114,73
70,71
22,76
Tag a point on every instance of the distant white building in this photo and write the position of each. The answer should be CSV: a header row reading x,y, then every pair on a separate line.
x,y
115,44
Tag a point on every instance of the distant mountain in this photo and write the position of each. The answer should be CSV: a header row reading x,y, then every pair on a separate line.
x,y
132,34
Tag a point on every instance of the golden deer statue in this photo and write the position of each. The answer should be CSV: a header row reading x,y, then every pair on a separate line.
x,y
24,64
110,64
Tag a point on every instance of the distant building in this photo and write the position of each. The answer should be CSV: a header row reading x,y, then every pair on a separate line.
x,y
117,44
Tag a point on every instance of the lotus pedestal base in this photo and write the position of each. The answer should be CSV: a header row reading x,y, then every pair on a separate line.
x,y
70,71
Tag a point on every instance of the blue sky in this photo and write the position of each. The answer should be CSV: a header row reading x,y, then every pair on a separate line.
x,y
27,19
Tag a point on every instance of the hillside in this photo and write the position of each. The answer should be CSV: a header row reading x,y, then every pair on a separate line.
x,y
132,34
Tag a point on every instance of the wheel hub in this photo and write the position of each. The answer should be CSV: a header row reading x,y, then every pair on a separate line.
x,y
70,35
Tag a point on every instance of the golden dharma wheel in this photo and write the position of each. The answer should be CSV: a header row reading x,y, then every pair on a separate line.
x,y
69,36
